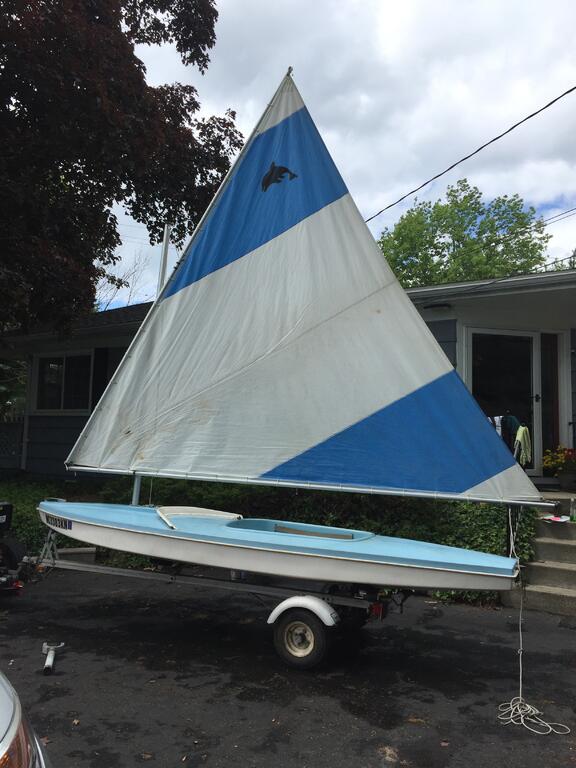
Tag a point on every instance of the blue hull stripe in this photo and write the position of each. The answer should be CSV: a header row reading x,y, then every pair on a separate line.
x,y
415,443
245,216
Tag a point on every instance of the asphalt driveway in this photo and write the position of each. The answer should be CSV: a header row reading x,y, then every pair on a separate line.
x,y
170,676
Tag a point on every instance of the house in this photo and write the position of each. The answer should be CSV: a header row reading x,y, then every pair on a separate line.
x,y
512,340
66,377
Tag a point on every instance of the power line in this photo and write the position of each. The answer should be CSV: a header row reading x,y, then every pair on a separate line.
x,y
559,261
476,151
493,281
561,216
488,282
480,245
134,226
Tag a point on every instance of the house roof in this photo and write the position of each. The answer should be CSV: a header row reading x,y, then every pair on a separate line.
x,y
118,319
135,313
120,324
541,281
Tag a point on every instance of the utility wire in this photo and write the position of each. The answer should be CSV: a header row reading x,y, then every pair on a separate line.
x,y
478,246
558,261
547,222
506,238
476,151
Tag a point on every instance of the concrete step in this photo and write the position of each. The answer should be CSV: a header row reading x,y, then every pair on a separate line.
x,y
565,502
556,550
555,600
562,531
550,574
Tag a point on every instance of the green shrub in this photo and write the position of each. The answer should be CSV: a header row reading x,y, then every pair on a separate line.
x,y
25,491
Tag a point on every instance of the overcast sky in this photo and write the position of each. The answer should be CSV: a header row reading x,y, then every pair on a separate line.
x,y
399,91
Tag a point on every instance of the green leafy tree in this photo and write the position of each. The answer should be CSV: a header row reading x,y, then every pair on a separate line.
x,y
81,130
562,264
464,238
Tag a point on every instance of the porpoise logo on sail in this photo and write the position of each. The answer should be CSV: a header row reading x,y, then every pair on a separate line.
x,y
276,174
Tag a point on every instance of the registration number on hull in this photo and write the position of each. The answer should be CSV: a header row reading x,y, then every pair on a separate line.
x,y
58,522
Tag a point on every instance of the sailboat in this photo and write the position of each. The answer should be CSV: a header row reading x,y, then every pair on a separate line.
x,y
283,351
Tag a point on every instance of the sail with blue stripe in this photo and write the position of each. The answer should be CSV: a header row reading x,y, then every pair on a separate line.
x,y
283,350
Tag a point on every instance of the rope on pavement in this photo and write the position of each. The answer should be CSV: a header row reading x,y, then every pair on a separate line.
x,y
517,711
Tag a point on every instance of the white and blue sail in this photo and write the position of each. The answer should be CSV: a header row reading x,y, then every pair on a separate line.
x,y
283,350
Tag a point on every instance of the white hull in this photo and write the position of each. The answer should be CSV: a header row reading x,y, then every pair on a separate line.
x,y
295,565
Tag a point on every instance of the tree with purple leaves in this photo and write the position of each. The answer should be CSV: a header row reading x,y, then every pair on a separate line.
x,y
81,130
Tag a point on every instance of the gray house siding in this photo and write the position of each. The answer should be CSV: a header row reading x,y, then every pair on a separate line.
x,y
51,435
11,442
444,331
50,439
573,372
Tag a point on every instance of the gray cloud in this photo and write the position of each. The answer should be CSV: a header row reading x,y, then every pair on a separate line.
x,y
399,91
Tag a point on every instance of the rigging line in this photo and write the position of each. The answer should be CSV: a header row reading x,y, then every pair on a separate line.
x,y
517,711
475,152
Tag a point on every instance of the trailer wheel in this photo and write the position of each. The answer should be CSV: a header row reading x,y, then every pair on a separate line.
x,y
301,639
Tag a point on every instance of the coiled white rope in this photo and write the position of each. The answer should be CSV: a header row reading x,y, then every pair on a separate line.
x,y
517,711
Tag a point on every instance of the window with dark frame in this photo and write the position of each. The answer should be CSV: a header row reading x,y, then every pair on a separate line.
x,y
64,383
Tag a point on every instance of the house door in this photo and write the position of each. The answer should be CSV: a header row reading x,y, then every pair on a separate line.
x,y
506,380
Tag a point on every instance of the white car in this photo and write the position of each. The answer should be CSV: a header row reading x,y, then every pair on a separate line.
x,y
19,745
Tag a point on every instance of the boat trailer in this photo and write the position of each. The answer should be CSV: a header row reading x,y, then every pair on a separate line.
x,y
305,621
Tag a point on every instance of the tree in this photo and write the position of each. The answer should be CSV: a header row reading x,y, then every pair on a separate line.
x,y
130,278
464,238
560,265
80,130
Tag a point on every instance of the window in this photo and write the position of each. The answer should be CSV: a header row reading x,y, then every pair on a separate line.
x,y
64,383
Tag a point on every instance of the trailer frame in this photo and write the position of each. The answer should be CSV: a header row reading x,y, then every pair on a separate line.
x,y
303,621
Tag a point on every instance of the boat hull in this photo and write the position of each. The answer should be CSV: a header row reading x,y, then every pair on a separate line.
x,y
277,562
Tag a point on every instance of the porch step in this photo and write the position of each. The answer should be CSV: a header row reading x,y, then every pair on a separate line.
x,y
555,531
557,600
555,549
563,499
551,574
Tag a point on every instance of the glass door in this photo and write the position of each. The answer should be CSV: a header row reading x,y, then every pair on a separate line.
x,y
506,383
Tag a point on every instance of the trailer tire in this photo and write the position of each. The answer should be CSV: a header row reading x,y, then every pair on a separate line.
x,y
301,639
